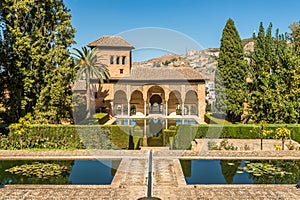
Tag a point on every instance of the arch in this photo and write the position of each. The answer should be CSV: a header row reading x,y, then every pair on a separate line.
x,y
137,102
156,104
174,101
191,103
120,103
156,99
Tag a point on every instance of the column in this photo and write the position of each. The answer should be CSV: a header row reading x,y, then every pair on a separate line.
x,y
166,108
145,142
145,108
112,110
128,109
182,109
166,121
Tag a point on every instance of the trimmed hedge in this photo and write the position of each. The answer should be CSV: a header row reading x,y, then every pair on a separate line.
x,y
70,137
101,117
166,134
185,134
213,120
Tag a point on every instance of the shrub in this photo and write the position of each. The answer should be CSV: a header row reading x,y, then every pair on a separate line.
x,y
185,134
69,137
166,134
214,120
101,117
283,134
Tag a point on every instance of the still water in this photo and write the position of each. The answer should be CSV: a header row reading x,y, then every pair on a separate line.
x,y
232,171
91,172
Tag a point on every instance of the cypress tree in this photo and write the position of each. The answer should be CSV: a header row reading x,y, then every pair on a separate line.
x,y
231,74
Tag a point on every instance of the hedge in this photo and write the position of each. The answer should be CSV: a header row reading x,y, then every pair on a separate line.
x,y
101,117
70,137
166,134
185,134
213,120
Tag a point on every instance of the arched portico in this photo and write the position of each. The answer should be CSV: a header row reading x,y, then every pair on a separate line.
x,y
120,103
156,99
174,102
136,103
190,106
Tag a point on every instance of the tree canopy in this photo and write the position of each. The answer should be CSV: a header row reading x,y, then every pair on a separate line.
x,y
33,54
275,74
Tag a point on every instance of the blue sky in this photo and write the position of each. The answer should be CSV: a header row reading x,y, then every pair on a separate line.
x,y
200,20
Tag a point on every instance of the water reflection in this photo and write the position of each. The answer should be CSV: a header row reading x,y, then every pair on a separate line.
x,y
229,172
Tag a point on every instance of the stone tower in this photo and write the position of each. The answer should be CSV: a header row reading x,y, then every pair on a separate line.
x,y
115,52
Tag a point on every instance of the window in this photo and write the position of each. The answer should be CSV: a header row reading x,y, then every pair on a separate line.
x,y
123,60
111,59
118,60
121,71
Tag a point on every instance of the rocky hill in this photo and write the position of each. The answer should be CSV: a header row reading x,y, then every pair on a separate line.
x,y
205,61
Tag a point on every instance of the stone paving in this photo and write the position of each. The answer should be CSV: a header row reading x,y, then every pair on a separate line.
x,y
130,181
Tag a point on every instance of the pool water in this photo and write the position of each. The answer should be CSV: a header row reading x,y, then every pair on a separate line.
x,y
82,172
231,172
154,127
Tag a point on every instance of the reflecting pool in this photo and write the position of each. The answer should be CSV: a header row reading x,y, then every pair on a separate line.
x,y
241,171
79,172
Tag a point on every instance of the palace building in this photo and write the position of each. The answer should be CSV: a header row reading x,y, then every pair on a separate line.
x,y
141,92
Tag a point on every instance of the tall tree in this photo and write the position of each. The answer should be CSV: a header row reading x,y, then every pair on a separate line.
x,y
231,74
295,28
88,67
37,36
274,68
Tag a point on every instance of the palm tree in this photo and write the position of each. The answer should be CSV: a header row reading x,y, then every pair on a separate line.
x,y
88,67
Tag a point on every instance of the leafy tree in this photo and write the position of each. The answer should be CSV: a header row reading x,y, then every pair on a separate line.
x,y
295,27
37,36
231,74
274,71
87,68
283,134
55,100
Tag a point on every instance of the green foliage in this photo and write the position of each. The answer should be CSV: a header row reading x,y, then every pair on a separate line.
x,y
39,170
70,137
37,36
21,128
55,101
167,134
185,134
274,71
231,74
213,120
7,177
283,134
101,117
224,145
